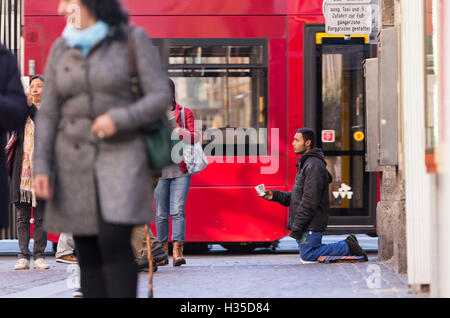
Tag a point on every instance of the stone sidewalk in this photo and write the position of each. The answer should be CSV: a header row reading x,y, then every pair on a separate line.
x,y
262,274
280,276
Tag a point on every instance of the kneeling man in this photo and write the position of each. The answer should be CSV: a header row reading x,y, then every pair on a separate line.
x,y
308,203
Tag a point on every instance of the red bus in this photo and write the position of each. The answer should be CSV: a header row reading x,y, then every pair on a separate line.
x,y
266,65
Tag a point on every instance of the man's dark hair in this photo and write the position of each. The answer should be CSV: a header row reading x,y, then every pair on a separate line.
x,y
308,134
109,11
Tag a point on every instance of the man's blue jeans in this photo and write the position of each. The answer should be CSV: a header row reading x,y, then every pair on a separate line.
x,y
170,199
311,247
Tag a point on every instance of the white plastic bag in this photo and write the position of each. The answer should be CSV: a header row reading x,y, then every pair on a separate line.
x,y
193,155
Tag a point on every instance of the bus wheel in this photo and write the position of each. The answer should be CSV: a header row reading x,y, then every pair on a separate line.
x,y
239,247
196,248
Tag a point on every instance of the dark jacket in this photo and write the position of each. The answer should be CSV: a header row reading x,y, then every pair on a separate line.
x,y
308,201
13,113
16,169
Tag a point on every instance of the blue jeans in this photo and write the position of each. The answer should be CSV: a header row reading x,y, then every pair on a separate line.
x,y
311,247
170,200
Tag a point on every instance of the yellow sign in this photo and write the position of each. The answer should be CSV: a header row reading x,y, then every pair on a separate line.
x,y
358,136
321,36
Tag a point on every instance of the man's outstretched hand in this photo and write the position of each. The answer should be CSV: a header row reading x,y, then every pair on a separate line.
x,y
268,196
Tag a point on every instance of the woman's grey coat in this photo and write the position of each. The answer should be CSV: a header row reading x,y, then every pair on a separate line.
x,y
81,166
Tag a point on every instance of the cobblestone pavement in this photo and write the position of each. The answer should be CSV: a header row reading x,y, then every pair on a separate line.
x,y
219,274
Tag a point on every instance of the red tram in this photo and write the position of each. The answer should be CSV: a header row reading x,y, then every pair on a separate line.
x,y
263,65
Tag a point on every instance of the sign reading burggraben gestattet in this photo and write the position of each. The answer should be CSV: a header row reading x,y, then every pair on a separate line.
x,y
348,17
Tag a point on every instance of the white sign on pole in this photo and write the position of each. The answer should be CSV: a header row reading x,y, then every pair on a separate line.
x,y
348,17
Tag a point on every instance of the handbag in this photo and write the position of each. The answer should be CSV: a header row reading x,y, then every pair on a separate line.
x,y
193,155
157,135
10,149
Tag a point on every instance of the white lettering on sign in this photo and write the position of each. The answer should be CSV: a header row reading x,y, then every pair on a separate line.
x,y
348,19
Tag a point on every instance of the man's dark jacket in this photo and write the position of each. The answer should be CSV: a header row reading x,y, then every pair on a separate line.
x,y
309,200
13,113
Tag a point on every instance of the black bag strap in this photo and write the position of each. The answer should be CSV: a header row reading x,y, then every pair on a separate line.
x,y
135,86
183,118
134,77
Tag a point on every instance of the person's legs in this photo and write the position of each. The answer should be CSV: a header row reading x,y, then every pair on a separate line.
x,y
179,189
139,245
91,274
39,234
158,253
23,215
107,265
65,245
119,266
311,247
154,244
162,202
138,241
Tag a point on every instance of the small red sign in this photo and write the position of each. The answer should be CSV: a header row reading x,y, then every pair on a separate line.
x,y
328,136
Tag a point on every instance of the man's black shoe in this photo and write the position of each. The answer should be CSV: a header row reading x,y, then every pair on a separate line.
x,y
355,248
160,256
142,264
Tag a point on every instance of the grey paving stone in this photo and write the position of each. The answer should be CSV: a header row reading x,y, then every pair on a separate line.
x,y
220,274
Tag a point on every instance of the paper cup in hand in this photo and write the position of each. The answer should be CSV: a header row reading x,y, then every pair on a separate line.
x,y
261,189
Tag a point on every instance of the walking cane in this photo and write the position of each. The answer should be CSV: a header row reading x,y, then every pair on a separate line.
x,y
150,261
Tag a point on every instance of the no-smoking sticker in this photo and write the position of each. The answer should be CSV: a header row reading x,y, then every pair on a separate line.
x,y
358,136
328,136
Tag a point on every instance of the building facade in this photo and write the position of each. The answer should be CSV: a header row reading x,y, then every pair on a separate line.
x,y
422,172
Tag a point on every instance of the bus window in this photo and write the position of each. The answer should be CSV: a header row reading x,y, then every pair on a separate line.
x,y
224,82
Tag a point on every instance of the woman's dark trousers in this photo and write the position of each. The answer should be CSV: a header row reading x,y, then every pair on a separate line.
x,y
23,216
107,265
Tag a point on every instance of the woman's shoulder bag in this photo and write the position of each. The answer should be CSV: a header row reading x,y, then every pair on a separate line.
x,y
157,135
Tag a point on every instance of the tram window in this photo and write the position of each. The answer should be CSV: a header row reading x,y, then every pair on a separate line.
x,y
224,82
216,54
345,171
343,99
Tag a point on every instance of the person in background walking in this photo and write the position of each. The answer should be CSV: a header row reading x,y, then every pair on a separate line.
x,y
13,113
65,249
22,195
65,253
139,244
308,203
91,161
173,186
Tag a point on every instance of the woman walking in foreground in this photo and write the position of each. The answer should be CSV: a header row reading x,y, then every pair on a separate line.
x,y
90,157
